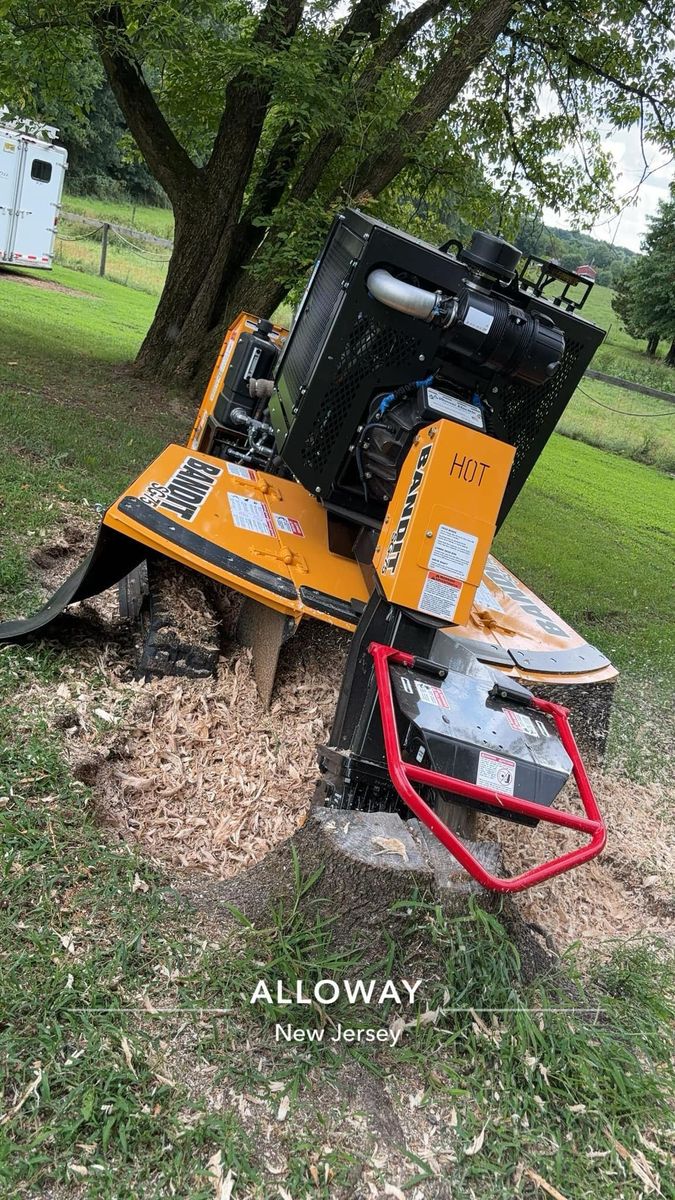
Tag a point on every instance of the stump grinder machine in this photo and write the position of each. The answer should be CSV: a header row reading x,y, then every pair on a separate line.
x,y
355,470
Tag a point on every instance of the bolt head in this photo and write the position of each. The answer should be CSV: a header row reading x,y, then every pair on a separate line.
x,y
428,533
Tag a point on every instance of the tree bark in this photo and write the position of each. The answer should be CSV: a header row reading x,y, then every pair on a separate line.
x,y
653,344
670,356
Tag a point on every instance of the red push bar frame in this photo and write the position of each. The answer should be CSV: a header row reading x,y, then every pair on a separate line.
x,y
403,774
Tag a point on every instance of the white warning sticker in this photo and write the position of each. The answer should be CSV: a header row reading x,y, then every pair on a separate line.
x,y
525,724
452,406
241,472
440,595
453,551
288,524
475,318
250,514
485,598
496,773
430,694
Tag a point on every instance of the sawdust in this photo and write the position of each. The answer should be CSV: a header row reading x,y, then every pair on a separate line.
x,y
198,772
201,776
629,891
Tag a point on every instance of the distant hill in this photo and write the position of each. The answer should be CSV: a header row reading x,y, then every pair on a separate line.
x,y
572,248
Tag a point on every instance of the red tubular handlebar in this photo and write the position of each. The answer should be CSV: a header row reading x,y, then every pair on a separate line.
x,y
403,774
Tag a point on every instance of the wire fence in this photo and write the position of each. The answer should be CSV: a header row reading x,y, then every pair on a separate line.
x,y
121,254
105,230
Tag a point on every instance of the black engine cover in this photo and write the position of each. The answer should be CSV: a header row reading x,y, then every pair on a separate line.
x,y
345,348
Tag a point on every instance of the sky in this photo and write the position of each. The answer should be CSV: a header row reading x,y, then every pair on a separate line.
x,y
630,226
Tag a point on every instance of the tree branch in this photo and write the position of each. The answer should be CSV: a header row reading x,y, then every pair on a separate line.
x,y
247,95
166,157
364,20
442,86
595,69
388,50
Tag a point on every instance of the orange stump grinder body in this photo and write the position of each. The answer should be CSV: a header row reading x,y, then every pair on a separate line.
x,y
355,471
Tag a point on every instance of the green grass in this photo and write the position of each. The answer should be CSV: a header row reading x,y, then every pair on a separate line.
x,y
141,265
621,354
144,217
74,425
134,264
594,535
103,324
129,1017
644,437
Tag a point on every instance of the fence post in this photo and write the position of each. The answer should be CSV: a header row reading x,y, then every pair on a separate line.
x,y
104,248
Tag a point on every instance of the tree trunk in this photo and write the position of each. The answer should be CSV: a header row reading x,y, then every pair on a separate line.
x,y
670,356
652,344
216,238
207,285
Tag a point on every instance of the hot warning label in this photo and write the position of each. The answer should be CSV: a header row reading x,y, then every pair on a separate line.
x,y
250,514
496,773
525,724
440,595
241,472
288,524
453,552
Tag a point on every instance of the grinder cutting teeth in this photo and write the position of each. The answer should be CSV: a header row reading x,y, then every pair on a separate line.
x,y
355,471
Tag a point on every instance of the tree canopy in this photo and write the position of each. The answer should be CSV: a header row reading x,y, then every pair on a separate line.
x,y
259,120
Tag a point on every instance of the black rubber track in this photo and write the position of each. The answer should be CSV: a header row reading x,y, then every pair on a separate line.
x,y
112,557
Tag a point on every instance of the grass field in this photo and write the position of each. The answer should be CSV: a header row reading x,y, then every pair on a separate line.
x,y
133,1063
143,217
622,355
626,423
644,438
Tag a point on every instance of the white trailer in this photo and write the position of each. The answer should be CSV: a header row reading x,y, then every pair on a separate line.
x,y
32,170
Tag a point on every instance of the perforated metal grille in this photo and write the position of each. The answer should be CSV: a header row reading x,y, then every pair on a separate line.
x,y
316,316
528,410
370,347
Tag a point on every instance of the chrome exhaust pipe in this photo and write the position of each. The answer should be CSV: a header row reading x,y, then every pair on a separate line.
x,y
406,298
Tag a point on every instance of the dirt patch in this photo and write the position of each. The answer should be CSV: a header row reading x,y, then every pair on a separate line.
x,y
49,285
56,559
202,776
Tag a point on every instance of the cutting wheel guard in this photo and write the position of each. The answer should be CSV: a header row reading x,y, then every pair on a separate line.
x,y
404,774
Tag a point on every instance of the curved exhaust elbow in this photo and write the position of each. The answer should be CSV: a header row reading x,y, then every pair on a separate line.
x,y
404,297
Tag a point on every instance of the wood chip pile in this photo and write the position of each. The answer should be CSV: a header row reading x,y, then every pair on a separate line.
x,y
629,890
201,775
198,771
207,777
